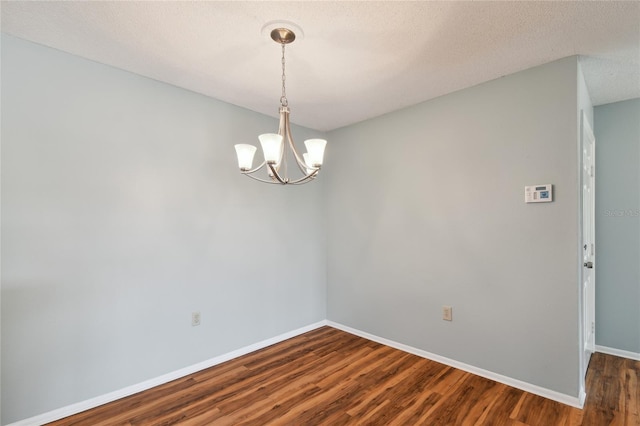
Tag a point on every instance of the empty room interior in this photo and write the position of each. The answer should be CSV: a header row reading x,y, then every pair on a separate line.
x,y
467,246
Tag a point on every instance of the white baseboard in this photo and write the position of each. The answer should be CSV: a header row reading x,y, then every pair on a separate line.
x,y
148,384
528,387
618,352
583,397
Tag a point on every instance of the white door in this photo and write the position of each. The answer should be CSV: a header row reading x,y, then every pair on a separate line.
x,y
588,241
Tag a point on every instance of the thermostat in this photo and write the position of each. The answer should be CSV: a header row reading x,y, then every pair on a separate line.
x,y
538,193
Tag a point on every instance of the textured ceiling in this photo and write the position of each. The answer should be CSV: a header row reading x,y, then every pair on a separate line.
x,y
356,60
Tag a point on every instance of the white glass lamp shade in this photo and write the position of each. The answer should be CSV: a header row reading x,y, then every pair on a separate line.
x,y
245,154
271,147
315,149
307,163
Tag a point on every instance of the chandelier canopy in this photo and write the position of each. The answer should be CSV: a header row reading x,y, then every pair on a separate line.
x,y
278,148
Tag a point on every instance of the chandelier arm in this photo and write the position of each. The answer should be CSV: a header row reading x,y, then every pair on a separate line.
x,y
299,161
284,113
276,175
262,180
282,132
253,170
306,178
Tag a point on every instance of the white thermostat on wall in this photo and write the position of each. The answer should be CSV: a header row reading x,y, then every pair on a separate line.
x,y
538,193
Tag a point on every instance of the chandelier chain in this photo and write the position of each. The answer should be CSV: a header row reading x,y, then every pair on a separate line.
x,y
283,99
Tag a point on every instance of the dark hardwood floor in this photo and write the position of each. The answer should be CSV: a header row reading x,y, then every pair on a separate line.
x,y
329,377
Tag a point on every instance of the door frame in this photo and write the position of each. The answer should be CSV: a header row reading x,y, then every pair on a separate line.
x,y
587,249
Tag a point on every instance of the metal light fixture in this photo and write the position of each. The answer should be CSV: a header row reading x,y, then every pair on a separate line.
x,y
277,147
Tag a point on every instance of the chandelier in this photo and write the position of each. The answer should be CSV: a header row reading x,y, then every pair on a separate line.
x,y
278,148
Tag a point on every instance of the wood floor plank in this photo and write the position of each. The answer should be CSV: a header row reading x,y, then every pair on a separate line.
x,y
498,406
330,377
396,385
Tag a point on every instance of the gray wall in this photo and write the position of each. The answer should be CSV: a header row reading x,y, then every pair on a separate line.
x,y
123,212
617,131
425,207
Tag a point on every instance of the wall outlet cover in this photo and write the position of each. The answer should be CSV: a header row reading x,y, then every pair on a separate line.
x,y
447,313
195,318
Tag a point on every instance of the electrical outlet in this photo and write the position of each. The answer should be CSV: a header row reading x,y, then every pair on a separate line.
x,y
195,318
447,313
